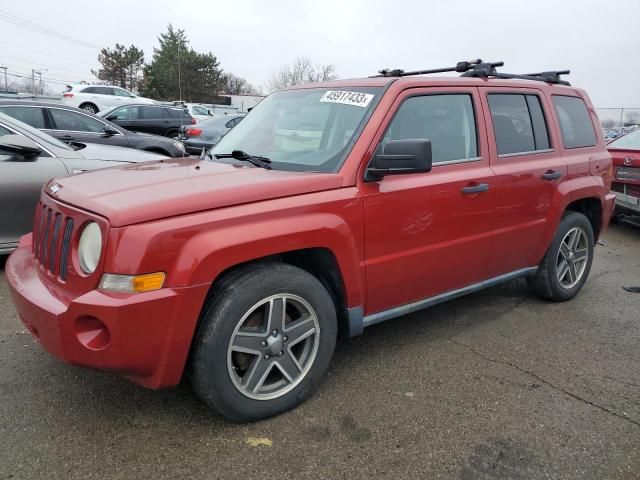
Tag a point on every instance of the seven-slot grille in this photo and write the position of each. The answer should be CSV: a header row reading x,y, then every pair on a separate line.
x,y
52,240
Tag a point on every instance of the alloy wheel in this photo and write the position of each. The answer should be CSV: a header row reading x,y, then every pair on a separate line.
x,y
273,347
572,257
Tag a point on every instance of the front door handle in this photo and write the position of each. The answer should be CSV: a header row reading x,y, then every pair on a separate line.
x,y
551,175
79,170
478,188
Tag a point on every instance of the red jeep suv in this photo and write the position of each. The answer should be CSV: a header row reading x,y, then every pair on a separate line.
x,y
331,207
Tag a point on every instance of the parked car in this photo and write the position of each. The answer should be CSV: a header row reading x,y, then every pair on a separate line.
x,y
70,124
29,158
197,111
96,98
419,190
156,119
625,151
206,134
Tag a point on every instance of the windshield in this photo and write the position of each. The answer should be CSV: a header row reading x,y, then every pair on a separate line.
x,y
630,141
303,130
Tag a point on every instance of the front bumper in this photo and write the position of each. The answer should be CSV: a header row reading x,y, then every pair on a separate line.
x,y
145,337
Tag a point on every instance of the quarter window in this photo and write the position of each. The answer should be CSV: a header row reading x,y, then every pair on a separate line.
x,y
75,122
30,115
575,122
447,120
518,123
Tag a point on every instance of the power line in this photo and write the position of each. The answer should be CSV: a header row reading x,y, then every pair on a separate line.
x,y
47,54
27,70
34,27
48,80
44,65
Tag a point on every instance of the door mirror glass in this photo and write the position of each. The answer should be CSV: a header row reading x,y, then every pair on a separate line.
x,y
19,145
401,156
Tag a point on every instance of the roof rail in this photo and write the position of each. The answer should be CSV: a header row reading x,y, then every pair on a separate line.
x,y
480,69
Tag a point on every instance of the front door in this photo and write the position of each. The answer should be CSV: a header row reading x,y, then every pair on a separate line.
x,y
430,233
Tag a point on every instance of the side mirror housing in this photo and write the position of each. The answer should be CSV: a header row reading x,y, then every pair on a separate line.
x,y
399,157
19,145
111,118
110,131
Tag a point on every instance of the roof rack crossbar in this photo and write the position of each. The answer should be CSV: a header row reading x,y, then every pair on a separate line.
x,y
480,69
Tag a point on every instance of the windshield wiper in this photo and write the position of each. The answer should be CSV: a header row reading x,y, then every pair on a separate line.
x,y
262,162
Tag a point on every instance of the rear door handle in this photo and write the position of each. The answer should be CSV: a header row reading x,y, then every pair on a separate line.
x,y
480,187
551,175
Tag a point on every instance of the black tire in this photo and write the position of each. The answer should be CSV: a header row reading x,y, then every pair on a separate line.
x,y
89,107
545,282
229,302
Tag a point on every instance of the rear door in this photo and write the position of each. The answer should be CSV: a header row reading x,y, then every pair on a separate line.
x,y
430,233
529,168
72,126
153,120
20,183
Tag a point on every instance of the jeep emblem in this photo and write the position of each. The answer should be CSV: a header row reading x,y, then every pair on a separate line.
x,y
55,188
628,160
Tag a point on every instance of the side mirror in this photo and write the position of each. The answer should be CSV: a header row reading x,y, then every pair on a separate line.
x,y
111,118
19,145
109,131
401,156
209,113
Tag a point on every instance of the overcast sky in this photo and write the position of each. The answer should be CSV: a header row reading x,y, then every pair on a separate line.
x,y
598,40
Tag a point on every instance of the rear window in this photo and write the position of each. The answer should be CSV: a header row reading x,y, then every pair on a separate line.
x,y
575,122
30,115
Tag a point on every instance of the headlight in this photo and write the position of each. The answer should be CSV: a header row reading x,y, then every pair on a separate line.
x,y
90,247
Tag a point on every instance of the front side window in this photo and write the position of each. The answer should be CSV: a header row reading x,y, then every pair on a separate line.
x,y
130,112
309,129
518,123
30,115
575,122
75,122
447,120
122,93
198,110
630,141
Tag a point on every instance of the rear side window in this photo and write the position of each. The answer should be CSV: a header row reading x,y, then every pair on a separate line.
x,y
175,113
150,113
575,122
30,115
518,123
90,90
447,120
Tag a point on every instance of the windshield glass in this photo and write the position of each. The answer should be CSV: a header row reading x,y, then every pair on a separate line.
x,y
304,130
629,141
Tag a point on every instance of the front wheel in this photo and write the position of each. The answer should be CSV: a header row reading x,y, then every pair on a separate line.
x,y
267,336
566,265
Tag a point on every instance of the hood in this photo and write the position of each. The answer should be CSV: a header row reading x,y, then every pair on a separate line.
x,y
97,151
131,194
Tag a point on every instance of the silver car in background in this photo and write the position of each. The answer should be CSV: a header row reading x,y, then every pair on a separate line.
x,y
207,133
29,158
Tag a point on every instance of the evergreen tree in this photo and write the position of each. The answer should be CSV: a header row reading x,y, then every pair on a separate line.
x,y
121,66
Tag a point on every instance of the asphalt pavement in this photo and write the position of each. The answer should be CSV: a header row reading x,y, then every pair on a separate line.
x,y
495,385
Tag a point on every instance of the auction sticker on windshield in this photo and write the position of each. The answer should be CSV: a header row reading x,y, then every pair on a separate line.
x,y
357,99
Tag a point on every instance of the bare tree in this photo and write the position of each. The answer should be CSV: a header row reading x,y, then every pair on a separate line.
x,y
608,123
301,71
234,85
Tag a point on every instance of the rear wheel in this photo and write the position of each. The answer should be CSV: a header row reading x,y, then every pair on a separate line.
x,y
267,336
89,107
566,265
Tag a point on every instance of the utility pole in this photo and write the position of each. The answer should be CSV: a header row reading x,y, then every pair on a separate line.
x,y
39,73
6,85
33,81
179,83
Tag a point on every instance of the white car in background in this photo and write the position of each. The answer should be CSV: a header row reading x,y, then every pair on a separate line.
x,y
198,111
95,98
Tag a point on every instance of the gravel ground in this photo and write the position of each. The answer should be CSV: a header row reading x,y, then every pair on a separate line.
x,y
495,385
